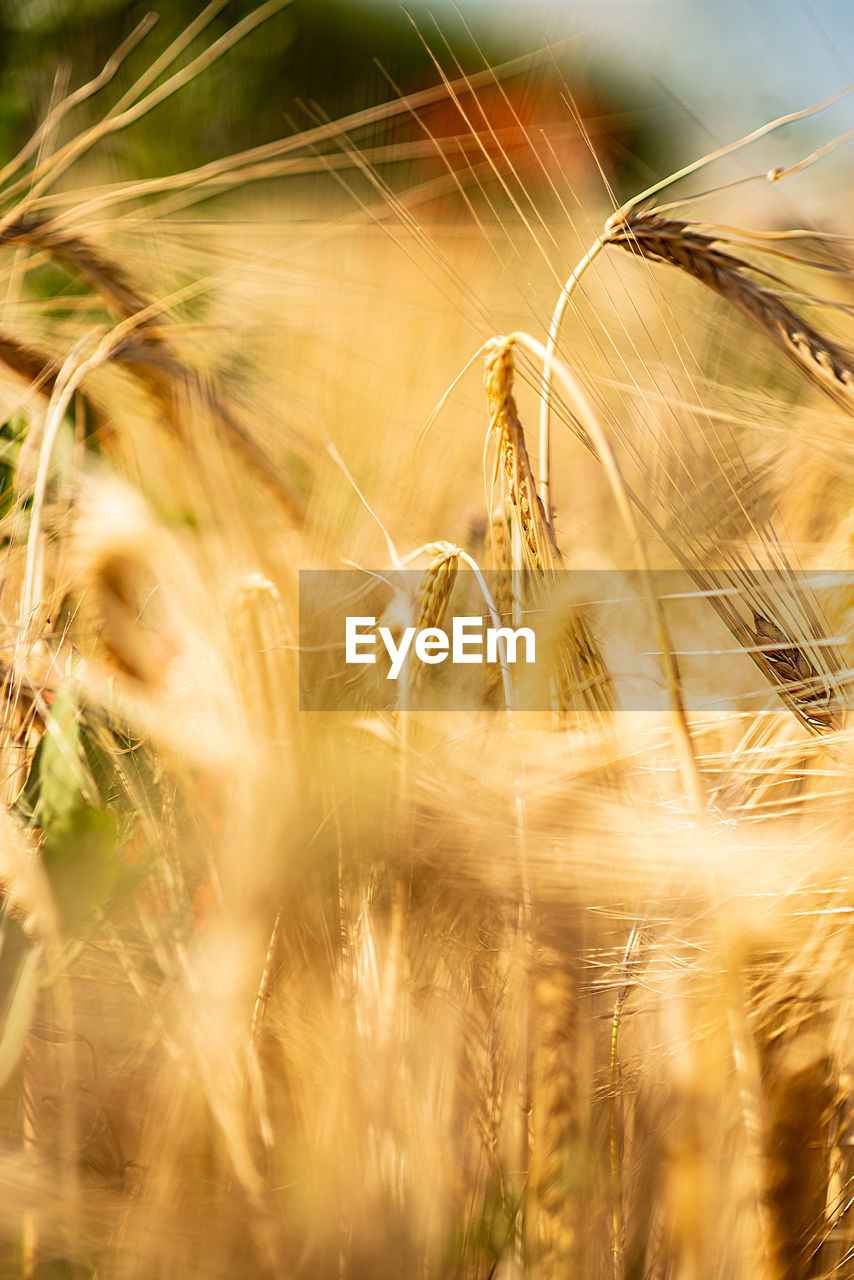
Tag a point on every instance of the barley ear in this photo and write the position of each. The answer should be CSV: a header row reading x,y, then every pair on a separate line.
x,y
581,681
433,594
825,362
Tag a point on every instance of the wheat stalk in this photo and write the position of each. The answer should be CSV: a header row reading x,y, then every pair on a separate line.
x,y
553,1217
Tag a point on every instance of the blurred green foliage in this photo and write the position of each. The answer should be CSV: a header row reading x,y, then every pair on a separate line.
x,y
79,800
324,51
321,50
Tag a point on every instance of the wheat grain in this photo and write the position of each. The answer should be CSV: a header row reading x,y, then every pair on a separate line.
x,y
434,590
433,593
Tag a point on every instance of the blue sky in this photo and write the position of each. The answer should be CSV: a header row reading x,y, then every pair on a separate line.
x,y
728,66
732,61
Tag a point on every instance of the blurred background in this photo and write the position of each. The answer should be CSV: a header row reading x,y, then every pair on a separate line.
x,y
664,80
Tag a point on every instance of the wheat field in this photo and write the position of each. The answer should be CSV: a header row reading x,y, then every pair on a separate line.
x,y
379,986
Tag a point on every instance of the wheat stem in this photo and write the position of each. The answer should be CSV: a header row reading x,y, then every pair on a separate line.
x,y
546,384
623,212
72,373
86,91
57,164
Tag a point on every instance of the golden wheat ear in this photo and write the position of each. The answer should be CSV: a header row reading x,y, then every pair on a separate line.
x,y
801,664
145,350
437,583
41,372
795,678
433,593
517,473
581,678
825,362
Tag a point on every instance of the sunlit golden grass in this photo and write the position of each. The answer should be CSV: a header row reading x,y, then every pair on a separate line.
x,y
483,993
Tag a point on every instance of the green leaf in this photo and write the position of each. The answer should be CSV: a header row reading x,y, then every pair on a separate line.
x,y
80,857
58,770
72,791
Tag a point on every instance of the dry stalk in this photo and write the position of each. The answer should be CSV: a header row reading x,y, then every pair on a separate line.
x,y
631,963
136,102
554,1224
263,994
76,367
546,384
